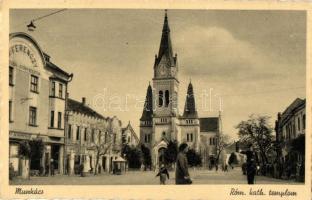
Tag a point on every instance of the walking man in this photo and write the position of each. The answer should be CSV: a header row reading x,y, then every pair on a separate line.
x,y
163,174
182,174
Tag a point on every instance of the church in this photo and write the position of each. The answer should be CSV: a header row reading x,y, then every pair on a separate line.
x,y
161,122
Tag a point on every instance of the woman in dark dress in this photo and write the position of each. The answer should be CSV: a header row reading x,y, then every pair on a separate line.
x,y
182,174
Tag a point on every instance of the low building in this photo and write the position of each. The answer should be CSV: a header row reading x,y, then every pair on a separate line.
x,y
37,89
90,139
209,131
129,136
288,127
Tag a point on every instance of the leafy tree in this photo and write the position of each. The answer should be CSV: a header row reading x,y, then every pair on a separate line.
x,y
171,152
233,159
146,155
133,156
258,132
24,149
36,151
193,158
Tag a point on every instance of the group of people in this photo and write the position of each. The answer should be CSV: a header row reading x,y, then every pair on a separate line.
x,y
182,175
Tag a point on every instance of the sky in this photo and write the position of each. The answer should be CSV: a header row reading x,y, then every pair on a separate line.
x,y
240,62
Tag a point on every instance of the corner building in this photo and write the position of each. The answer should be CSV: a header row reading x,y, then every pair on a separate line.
x,y
37,89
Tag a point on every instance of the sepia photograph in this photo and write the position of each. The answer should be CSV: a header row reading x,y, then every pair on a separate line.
x,y
157,97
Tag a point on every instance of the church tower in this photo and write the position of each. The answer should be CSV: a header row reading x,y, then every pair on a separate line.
x,y
166,85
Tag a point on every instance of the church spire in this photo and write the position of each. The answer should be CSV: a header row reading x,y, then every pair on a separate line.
x,y
148,105
189,108
165,48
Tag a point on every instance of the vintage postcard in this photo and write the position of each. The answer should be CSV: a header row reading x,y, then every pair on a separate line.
x,y
156,101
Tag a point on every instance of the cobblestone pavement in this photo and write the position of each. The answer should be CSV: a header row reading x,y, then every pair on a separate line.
x,y
148,178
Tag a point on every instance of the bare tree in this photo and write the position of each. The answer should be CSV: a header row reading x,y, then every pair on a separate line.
x,y
222,142
101,145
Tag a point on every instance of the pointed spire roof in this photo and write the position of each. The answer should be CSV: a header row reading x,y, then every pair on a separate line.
x,y
148,105
165,48
190,108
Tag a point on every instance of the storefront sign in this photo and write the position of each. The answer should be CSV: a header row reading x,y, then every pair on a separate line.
x,y
18,135
23,49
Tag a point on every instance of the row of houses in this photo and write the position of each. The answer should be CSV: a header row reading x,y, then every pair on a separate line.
x,y
290,128
40,109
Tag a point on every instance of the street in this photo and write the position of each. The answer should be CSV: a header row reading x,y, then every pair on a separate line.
x,y
148,178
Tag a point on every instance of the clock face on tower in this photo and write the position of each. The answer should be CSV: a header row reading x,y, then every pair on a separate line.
x,y
162,70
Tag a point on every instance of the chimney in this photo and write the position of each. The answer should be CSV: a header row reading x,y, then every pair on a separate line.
x,y
84,101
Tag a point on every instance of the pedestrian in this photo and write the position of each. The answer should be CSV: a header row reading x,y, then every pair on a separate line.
x,y
251,167
182,174
81,170
47,169
52,167
163,174
216,167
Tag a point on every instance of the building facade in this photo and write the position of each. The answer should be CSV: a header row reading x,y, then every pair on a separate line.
x,y
37,89
129,136
91,139
290,125
160,121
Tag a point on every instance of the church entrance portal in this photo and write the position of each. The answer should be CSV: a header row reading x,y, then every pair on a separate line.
x,y
161,156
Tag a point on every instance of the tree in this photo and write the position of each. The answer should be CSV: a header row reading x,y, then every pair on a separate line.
x,y
193,158
146,156
31,150
258,132
222,142
133,156
171,152
101,146
233,159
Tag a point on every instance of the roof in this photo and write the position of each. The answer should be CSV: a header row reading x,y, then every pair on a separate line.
x,y
78,107
190,108
292,108
129,127
148,105
45,56
119,159
209,124
165,48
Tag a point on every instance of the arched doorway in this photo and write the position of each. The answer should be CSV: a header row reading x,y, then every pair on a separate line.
x,y
161,156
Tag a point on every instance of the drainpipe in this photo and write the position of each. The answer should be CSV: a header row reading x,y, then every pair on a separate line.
x,y
66,124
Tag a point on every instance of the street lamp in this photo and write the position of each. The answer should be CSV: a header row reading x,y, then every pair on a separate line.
x,y
31,26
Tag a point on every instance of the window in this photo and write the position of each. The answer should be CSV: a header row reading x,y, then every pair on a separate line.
x,y
61,90
78,133
53,88
129,139
303,121
189,137
11,75
147,138
69,131
160,99
92,135
85,134
166,98
164,134
105,136
59,120
298,123
34,83
210,141
52,119
32,116
10,112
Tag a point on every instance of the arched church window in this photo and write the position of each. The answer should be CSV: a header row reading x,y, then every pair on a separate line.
x,y
160,100
166,98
